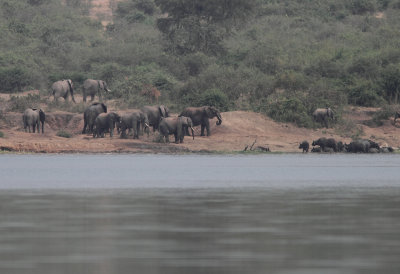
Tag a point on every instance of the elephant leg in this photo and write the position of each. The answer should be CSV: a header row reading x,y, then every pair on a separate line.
x,y
176,138
202,130
84,126
167,138
208,127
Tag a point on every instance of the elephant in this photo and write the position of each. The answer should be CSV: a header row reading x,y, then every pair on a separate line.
x,y
105,122
33,118
133,121
361,146
176,126
305,146
62,88
91,87
154,114
323,115
201,116
326,143
90,115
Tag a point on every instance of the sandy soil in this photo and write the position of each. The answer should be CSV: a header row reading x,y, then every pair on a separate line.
x,y
238,130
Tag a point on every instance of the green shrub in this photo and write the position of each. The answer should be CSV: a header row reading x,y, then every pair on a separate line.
x,y
64,134
20,103
290,110
1,134
13,79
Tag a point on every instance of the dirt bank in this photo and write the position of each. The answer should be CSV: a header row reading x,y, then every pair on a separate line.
x,y
238,130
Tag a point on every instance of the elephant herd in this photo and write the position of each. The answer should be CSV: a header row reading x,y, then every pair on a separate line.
x,y
98,122
64,88
330,145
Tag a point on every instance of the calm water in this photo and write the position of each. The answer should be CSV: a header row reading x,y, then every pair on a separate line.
x,y
199,214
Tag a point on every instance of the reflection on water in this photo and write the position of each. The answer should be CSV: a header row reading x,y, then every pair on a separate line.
x,y
255,225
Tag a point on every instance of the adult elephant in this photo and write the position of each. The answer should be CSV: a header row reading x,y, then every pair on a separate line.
x,y
133,121
62,88
154,114
105,122
90,115
92,87
176,126
322,115
33,117
201,116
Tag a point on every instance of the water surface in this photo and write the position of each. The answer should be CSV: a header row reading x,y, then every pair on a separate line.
x,y
199,214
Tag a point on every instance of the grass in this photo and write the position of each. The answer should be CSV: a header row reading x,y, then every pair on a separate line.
x,y
64,134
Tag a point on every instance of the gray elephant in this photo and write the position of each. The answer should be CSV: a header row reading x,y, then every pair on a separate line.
x,y
92,87
176,126
62,88
133,121
90,115
33,118
322,115
105,122
201,116
154,114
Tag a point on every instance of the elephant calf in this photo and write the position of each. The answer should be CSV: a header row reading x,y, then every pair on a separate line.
x,y
33,117
105,122
176,126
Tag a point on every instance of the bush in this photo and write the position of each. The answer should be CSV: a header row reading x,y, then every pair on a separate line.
x,y
20,103
290,110
64,134
13,79
1,134
214,97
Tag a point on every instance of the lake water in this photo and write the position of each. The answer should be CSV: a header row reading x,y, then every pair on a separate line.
x,y
285,214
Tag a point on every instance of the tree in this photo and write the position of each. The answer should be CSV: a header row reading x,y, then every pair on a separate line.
x,y
200,25
391,82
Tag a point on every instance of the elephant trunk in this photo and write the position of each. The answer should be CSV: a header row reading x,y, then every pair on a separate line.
x,y
219,122
192,132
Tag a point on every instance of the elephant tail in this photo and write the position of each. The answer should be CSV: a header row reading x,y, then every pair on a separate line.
x,y
42,115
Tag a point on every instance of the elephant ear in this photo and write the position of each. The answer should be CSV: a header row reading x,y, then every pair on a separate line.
x,y
162,111
104,107
208,111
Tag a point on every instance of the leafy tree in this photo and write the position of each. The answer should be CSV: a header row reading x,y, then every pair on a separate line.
x,y
390,82
201,25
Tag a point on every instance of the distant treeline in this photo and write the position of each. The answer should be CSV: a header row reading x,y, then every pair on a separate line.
x,y
282,58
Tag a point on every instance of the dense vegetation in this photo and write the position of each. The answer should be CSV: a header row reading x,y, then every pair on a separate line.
x,y
283,58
